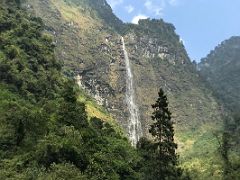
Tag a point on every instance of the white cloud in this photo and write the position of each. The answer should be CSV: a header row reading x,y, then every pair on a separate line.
x,y
129,8
138,17
182,41
156,8
173,2
148,4
114,3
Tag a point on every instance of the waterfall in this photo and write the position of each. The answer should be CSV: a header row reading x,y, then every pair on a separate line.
x,y
134,124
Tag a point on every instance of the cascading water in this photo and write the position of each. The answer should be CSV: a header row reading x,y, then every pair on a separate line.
x,y
134,125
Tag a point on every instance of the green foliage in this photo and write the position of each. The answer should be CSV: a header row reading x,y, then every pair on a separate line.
x,y
160,154
229,147
71,112
61,172
27,59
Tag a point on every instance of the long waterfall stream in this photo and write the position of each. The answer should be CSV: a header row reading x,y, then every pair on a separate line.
x,y
134,124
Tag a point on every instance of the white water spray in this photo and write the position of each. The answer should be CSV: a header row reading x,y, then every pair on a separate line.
x,y
134,125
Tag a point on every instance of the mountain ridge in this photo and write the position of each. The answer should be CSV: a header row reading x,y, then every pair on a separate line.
x,y
220,69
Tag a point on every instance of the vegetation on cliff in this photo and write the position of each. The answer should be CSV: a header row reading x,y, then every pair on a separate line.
x,y
220,70
160,155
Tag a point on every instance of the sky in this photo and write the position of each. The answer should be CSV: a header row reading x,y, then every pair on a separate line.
x,y
201,24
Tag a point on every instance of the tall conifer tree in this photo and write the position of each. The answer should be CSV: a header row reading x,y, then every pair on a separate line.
x,y
164,147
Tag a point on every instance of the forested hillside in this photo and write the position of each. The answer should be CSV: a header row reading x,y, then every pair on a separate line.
x,y
221,71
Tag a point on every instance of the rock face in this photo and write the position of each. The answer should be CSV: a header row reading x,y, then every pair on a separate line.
x,y
88,41
89,47
221,70
93,51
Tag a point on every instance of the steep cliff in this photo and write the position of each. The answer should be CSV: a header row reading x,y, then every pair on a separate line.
x,y
88,41
160,60
221,70
93,50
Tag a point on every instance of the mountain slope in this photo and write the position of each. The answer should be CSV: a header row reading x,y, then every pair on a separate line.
x,y
91,50
221,70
